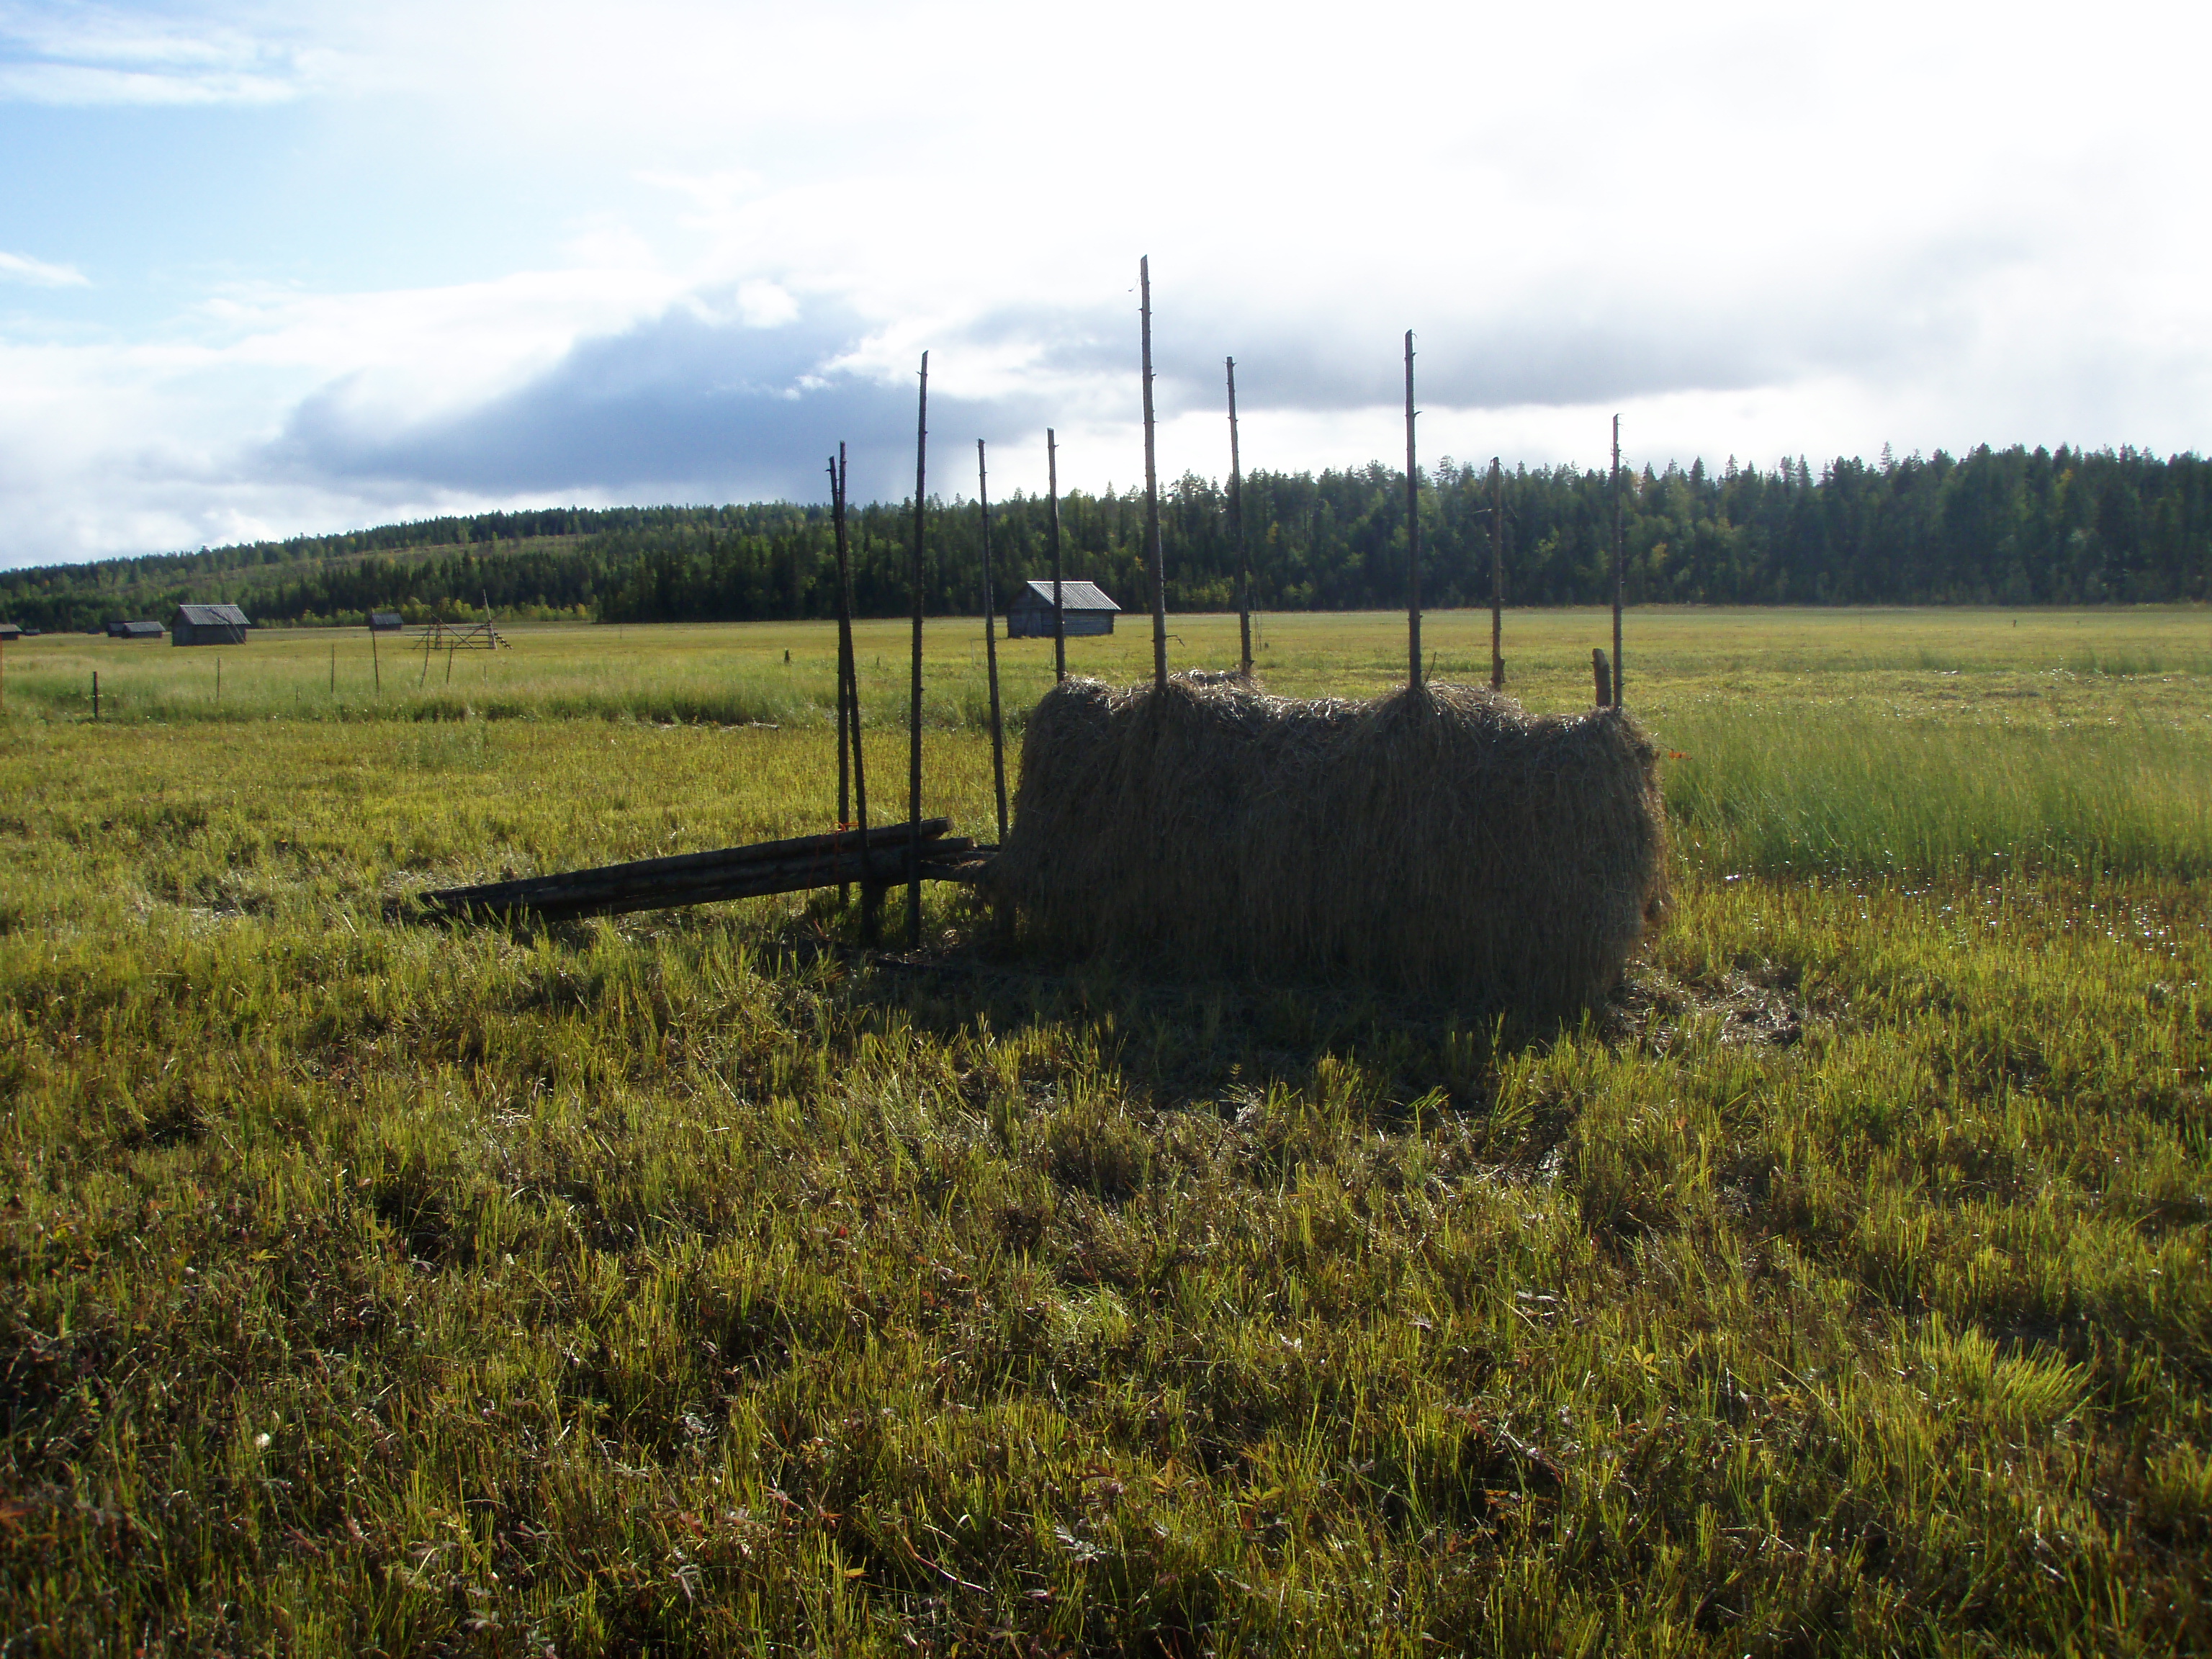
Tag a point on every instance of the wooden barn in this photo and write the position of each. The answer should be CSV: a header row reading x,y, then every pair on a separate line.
x,y
384,621
208,624
1087,608
10,631
134,630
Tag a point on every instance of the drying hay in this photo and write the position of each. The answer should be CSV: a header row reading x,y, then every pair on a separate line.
x,y
1440,840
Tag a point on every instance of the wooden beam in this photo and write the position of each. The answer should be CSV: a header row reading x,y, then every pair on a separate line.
x,y
1413,531
1059,615
1237,529
914,713
991,641
1619,563
1152,491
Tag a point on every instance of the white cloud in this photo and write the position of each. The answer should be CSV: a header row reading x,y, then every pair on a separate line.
x,y
22,268
96,55
1753,232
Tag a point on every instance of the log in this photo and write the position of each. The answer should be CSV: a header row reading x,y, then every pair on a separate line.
x,y
775,866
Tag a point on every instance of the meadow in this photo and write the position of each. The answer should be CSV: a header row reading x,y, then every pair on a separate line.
x,y
697,1282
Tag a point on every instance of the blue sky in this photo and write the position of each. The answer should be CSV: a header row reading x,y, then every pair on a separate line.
x,y
266,270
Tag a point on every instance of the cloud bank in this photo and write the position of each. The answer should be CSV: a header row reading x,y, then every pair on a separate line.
x,y
680,252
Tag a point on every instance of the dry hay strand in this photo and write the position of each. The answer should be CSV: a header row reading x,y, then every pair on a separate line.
x,y
1438,838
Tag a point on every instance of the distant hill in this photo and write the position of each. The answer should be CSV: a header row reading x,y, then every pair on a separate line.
x,y
2011,526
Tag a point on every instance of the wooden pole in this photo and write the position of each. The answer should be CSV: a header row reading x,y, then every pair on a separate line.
x,y
375,663
1152,491
1619,562
96,694
844,639
1496,575
334,669
991,642
1601,677
218,679
914,714
1237,529
1058,618
1412,529
872,893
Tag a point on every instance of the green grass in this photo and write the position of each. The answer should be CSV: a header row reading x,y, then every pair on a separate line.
x,y
696,1284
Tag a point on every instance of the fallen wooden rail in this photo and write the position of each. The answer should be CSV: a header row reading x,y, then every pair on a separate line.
x,y
895,851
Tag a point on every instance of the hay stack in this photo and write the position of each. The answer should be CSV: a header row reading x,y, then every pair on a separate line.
x,y
1442,839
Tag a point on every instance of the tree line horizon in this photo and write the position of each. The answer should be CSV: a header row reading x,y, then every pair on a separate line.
x,y
2011,526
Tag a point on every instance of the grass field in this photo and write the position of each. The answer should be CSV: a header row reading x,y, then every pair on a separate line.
x,y
696,1283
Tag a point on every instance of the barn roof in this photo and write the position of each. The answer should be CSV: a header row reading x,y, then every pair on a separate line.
x,y
386,619
1073,596
213,615
135,630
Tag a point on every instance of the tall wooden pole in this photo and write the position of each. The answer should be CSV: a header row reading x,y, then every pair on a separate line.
x,y
1619,562
1152,492
375,663
849,668
991,642
1412,529
1059,615
1496,575
844,730
913,713
1236,527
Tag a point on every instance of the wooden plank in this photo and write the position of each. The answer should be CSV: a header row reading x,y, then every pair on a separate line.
x,y
947,859
813,850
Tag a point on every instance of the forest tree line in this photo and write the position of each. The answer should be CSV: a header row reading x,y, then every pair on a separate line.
x,y
2011,526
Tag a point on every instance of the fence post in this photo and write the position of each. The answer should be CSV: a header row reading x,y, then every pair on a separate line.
x,y
1412,533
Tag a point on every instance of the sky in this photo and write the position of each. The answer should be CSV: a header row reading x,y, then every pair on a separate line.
x,y
273,269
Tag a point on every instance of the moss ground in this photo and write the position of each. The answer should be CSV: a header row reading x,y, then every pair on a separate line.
x,y
695,1283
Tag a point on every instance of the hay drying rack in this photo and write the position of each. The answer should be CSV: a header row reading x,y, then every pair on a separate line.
x,y
920,849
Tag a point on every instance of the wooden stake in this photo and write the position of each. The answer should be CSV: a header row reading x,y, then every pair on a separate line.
x,y
1058,618
1496,575
376,664
844,638
334,670
96,694
913,716
1152,491
1618,563
218,679
991,642
1412,531
872,893
1602,676
1237,529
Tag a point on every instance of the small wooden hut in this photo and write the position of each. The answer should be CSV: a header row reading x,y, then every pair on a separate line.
x,y
208,624
119,629
1084,606
384,621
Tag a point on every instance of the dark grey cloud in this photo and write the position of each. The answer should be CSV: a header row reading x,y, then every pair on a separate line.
x,y
1655,333
689,405
684,402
